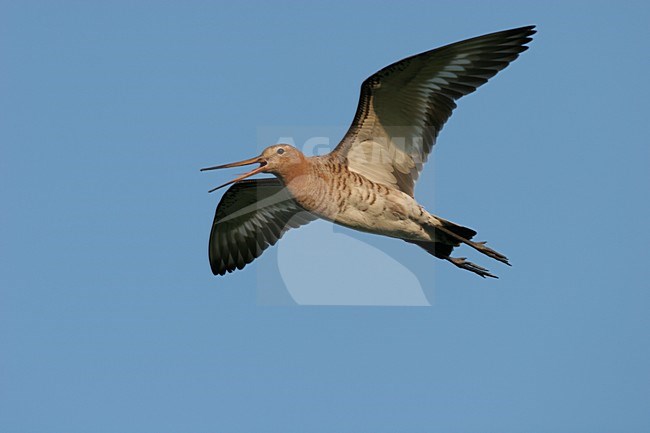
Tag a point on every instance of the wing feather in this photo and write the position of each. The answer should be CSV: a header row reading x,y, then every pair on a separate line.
x,y
251,216
403,107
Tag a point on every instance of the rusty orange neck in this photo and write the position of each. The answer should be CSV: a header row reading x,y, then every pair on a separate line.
x,y
288,173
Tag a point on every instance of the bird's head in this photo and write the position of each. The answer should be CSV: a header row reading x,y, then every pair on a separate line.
x,y
279,159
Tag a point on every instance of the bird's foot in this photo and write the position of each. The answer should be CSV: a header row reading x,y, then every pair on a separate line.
x,y
480,246
462,263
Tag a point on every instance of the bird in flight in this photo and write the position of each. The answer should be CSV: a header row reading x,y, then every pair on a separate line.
x,y
366,183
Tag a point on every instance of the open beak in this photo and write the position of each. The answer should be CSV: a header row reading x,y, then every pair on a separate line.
x,y
256,160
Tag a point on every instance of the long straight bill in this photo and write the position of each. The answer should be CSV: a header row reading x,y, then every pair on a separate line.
x,y
256,160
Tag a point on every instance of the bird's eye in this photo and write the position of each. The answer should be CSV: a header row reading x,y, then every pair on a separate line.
x,y
280,151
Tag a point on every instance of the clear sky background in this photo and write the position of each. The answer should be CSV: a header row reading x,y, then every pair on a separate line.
x,y
110,320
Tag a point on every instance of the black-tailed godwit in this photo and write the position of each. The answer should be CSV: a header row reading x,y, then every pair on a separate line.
x,y
366,182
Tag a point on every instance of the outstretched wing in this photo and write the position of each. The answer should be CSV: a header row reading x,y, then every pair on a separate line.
x,y
251,216
403,107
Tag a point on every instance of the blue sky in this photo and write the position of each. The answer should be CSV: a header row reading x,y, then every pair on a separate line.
x,y
110,320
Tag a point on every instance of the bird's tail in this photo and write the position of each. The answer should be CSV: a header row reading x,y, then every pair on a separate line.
x,y
458,230
454,231
446,239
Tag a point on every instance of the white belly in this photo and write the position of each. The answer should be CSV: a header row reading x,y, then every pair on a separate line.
x,y
395,214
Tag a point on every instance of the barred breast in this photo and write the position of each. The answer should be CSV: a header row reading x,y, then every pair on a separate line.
x,y
332,192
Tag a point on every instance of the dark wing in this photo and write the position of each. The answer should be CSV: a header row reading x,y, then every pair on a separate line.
x,y
403,107
251,216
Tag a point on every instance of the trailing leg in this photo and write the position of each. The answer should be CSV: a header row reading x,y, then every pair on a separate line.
x,y
442,251
462,263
